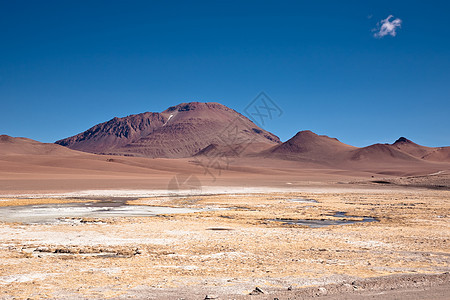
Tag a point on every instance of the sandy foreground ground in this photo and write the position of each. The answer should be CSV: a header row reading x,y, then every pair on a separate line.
x,y
242,244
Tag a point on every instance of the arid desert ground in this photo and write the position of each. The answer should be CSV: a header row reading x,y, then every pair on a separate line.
x,y
240,235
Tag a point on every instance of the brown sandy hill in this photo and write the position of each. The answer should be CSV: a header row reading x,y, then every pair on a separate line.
x,y
380,153
441,154
17,145
422,152
385,159
27,165
308,146
322,151
180,131
27,156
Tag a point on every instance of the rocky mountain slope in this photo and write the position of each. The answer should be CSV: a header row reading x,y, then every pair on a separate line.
x,y
180,131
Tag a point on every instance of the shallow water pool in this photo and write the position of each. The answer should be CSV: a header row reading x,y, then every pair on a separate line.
x,y
51,213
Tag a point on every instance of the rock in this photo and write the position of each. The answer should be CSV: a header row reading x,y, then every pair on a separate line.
x,y
257,291
355,285
42,249
211,297
61,250
289,288
322,291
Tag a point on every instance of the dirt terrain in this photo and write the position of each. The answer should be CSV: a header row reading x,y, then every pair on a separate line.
x,y
242,241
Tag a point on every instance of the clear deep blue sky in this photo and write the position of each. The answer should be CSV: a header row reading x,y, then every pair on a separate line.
x,y
68,65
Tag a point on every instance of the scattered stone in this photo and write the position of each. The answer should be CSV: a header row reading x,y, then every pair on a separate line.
x,y
322,291
257,291
42,249
61,250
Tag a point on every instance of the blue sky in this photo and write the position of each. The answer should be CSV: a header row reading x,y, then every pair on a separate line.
x,y
68,65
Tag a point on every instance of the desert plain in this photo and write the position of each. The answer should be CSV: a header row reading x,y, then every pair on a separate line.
x,y
357,241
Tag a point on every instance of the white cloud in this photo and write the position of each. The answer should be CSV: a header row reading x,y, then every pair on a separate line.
x,y
387,27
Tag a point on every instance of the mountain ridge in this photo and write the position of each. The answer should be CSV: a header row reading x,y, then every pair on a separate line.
x,y
210,129
179,131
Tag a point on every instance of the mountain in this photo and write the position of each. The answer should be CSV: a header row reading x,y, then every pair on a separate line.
x,y
380,153
422,152
212,129
407,146
180,131
115,133
308,146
